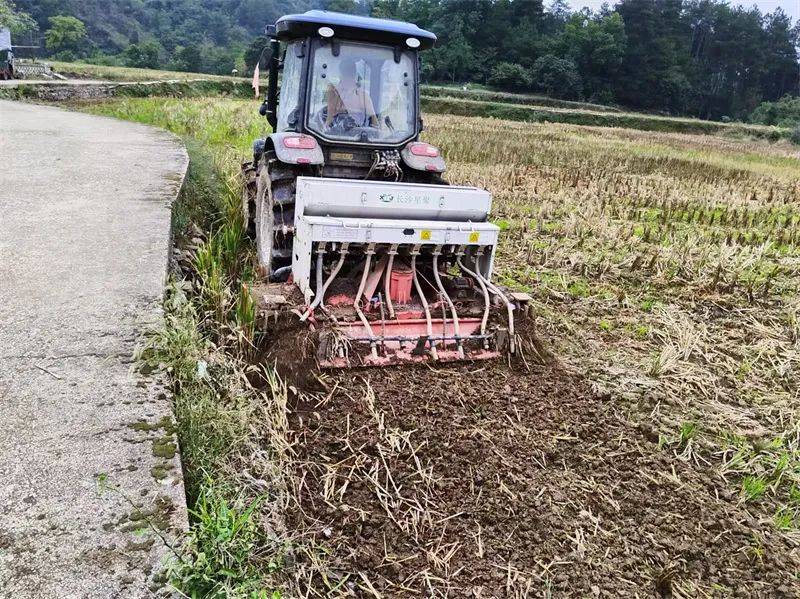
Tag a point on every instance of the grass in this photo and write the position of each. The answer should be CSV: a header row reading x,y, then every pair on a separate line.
x,y
234,487
225,536
689,241
484,95
667,264
80,70
547,112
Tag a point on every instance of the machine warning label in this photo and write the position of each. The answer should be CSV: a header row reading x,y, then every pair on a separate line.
x,y
474,237
431,235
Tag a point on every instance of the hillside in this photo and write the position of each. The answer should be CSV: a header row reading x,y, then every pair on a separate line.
x,y
113,26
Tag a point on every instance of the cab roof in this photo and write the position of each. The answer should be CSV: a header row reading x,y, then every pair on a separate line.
x,y
352,27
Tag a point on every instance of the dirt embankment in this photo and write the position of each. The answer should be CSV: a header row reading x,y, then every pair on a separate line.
x,y
487,481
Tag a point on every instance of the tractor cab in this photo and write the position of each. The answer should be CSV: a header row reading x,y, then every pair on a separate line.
x,y
351,83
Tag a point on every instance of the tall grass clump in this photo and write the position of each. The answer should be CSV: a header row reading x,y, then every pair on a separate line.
x,y
233,485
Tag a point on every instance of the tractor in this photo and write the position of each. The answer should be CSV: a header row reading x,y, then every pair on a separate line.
x,y
356,229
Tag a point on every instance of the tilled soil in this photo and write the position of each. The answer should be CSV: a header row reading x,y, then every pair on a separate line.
x,y
489,481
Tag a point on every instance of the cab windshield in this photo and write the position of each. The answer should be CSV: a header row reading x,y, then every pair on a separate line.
x,y
363,94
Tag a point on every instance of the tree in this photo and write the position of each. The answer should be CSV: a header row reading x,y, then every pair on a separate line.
x,y
658,37
783,113
698,57
188,58
557,76
511,76
347,6
14,19
596,44
66,34
454,58
781,73
145,55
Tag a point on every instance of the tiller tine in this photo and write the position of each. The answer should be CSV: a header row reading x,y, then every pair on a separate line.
x,y
406,341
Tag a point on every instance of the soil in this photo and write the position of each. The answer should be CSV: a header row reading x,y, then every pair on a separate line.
x,y
490,480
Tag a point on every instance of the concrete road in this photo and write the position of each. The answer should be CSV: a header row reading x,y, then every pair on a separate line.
x,y
88,466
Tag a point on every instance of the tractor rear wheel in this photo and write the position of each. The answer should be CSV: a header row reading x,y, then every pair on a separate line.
x,y
273,221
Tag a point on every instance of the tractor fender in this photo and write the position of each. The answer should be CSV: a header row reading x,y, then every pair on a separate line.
x,y
431,164
289,155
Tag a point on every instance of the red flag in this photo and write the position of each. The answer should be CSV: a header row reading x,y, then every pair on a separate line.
x,y
255,80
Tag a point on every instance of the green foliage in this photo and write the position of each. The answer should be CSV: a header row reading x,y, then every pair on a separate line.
x,y
195,36
66,34
218,558
673,56
187,58
687,434
753,487
666,55
507,75
596,44
254,52
227,553
15,19
438,91
144,55
557,77
794,136
454,59
783,113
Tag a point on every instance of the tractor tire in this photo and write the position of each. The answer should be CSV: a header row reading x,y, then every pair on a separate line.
x,y
274,212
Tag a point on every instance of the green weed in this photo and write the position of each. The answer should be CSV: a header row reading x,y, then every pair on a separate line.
x,y
687,434
753,487
579,289
220,558
245,317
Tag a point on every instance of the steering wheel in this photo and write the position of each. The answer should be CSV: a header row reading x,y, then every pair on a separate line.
x,y
341,121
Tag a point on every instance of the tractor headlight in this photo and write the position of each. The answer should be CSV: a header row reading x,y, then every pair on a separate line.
x,y
325,32
412,42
